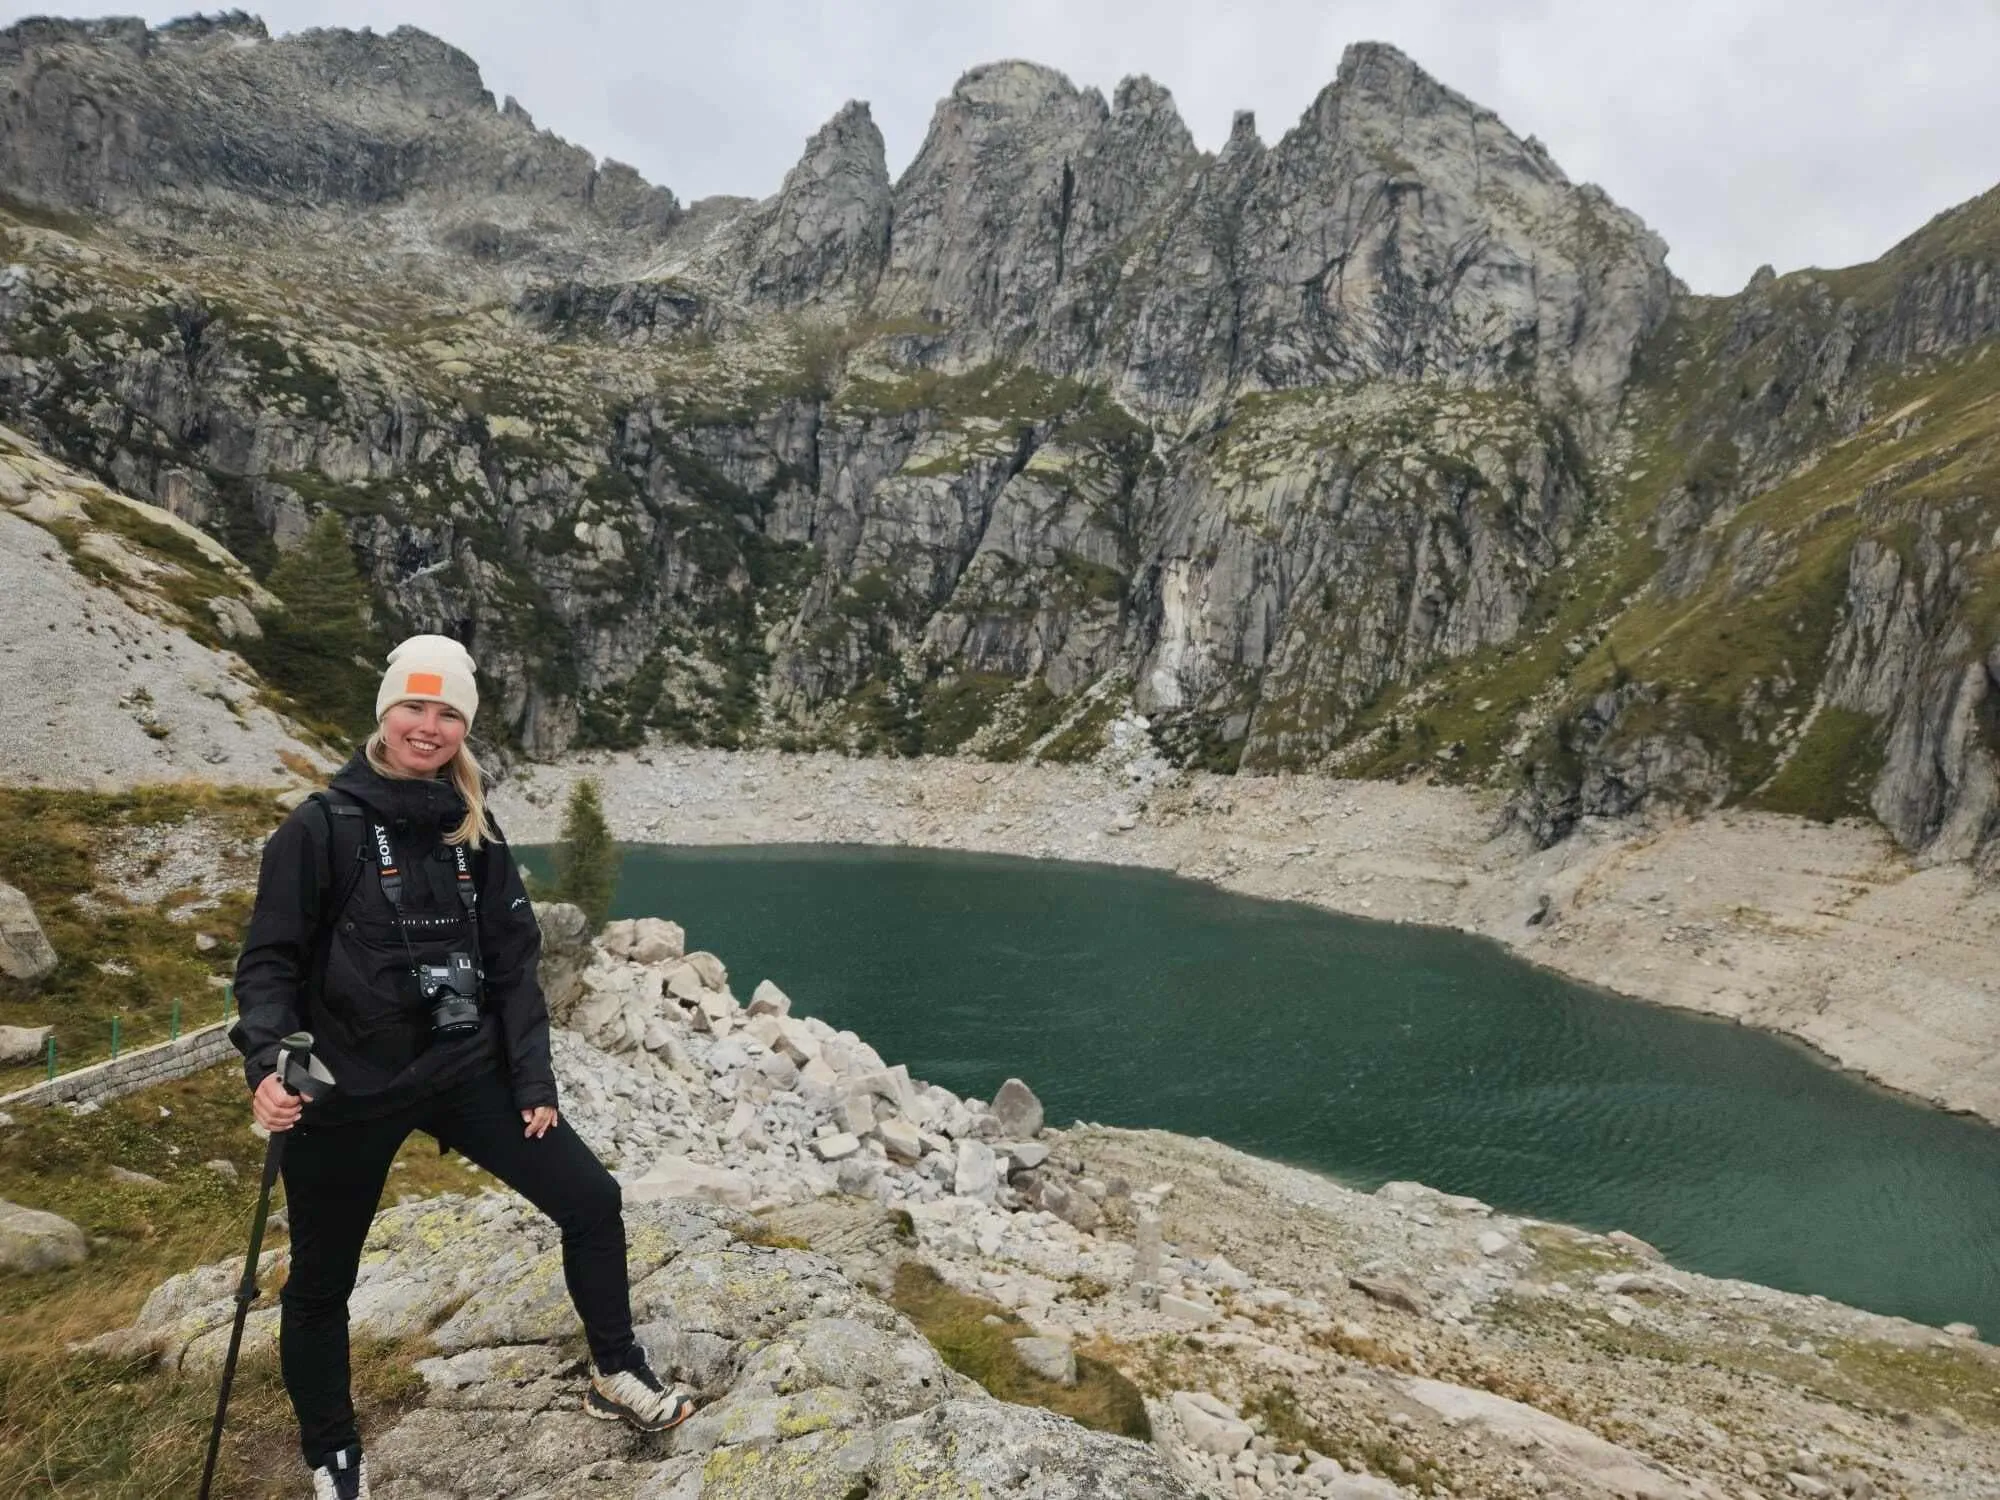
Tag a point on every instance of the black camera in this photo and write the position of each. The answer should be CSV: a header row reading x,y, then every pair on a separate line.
x,y
451,990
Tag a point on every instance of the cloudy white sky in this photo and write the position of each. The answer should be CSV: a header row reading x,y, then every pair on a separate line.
x,y
1799,132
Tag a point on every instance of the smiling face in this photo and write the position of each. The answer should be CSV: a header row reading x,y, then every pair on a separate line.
x,y
420,738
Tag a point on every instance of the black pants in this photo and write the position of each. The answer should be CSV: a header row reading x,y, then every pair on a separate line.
x,y
333,1180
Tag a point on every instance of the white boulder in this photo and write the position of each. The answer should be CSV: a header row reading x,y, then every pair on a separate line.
x,y
655,940
31,1240
19,1044
677,1177
977,1174
1211,1427
836,1147
25,952
768,1000
901,1139
1052,1359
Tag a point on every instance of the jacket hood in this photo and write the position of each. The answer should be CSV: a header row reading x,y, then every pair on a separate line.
x,y
421,803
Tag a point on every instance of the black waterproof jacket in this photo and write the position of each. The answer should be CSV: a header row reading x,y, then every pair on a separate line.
x,y
345,975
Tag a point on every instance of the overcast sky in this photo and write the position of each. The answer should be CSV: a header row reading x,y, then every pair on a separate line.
x,y
1800,132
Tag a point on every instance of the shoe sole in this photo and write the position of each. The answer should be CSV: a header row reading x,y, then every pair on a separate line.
x,y
610,1411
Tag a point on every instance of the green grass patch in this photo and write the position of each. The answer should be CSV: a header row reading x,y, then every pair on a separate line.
x,y
1563,1254
278,367
1278,1411
374,497
49,844
952,712
1922,1380
1041,708
1832,772
1085,736
955,1323
763,1234
76,226
115,1430
1096,581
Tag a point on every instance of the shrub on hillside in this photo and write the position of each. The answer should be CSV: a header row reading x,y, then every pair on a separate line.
x,y
318,649
586,859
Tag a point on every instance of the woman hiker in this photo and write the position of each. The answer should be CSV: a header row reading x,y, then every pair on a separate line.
x,y
392,924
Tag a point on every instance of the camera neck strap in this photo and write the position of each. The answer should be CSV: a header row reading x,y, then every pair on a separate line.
x,y
392,888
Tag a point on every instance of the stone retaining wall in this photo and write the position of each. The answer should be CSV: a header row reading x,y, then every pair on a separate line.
x,y
187,1053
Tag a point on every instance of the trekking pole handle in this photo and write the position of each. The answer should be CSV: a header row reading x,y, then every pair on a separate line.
x,y
297,1041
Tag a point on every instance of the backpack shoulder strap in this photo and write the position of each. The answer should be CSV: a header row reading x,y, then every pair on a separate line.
x,y
339,813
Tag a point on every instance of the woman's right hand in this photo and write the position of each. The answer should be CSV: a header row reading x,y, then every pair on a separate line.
x,y
274,1106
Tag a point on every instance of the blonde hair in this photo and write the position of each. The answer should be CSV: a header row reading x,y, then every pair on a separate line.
x,y
466,778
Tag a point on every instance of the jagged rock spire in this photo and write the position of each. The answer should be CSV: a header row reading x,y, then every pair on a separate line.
x,y
824,236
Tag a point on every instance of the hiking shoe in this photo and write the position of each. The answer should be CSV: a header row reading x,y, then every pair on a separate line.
x,y
636,1396
344,1476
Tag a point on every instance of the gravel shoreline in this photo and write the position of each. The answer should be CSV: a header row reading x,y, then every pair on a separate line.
x,y
1823,933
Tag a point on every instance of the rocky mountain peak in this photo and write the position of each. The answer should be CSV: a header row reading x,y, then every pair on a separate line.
x,y
1014,86
407,64
983,211
1376,74
180,127
130,32
823,238
848,145
236,26
1243,135
1383,105
1137,92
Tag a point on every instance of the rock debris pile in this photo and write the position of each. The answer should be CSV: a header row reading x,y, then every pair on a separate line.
x,y
756,1108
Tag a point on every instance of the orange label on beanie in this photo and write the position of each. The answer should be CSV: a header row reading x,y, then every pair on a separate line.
x,y
423,682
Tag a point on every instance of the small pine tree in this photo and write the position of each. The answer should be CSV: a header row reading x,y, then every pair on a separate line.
x,y
586,859
315,648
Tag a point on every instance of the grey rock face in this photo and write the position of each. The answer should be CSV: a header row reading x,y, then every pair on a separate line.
x,y
565,953
25,950
110,117
31,1240
1401,231
1904,654
1022,183
809,1386
861,525
1601,771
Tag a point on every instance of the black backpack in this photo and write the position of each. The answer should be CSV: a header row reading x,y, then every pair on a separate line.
x,y
336,805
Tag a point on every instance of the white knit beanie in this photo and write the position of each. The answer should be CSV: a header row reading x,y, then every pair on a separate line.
x,y
429,669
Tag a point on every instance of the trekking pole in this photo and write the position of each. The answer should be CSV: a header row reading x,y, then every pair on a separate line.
x,y
305,1075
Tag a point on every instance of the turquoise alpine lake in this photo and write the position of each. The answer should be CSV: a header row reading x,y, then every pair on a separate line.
x,y
1365,1050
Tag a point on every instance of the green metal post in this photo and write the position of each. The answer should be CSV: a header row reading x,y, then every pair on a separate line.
x,y
52,1054
114,1036
174,1034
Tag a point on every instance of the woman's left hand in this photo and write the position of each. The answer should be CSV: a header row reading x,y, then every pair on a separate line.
x,y
538,1120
